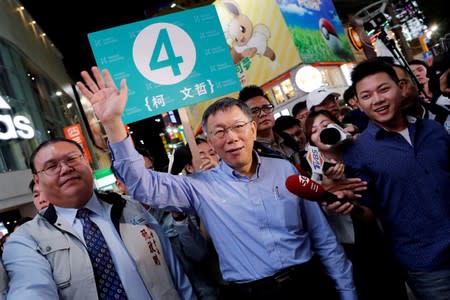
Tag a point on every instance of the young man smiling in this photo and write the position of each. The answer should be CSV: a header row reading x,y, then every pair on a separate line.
x,y
406,163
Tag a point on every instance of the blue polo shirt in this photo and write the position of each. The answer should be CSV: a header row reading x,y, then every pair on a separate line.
x,y
409,189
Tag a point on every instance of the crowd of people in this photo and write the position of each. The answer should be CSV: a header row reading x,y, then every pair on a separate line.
x,y
228,227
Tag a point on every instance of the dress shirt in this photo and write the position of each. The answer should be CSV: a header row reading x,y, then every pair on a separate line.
x,y
36,278
409,188
258,227
125,266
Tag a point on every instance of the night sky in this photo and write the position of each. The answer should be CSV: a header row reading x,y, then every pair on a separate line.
x,y
68,23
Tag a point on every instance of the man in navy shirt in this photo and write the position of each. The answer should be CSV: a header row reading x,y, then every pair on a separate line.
x,y
407,166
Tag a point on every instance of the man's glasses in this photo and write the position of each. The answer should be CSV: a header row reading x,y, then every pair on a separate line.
x,y
238,128
53,168
256,111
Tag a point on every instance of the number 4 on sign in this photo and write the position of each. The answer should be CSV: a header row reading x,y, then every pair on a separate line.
x,y
171,60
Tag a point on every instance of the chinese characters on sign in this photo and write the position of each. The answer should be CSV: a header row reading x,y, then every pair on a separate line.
x,y
199,89
169,62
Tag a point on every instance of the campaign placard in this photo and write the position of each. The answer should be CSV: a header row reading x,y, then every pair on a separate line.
x,y
169,62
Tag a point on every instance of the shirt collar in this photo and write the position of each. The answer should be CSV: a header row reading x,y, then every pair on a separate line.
x,y
69,214
377,131
233,173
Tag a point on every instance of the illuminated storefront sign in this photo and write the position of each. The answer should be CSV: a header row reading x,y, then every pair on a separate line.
x,y
14,127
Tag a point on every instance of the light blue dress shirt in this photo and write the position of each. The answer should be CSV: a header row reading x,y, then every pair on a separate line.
x,y
125,266
32,275
258,227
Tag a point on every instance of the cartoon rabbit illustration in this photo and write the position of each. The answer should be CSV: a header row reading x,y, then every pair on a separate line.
x,y
248,40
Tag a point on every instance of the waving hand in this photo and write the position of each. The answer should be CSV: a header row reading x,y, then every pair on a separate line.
x,y
108,102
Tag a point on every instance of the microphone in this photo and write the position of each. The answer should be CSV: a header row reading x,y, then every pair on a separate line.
x,y
334,135
308,189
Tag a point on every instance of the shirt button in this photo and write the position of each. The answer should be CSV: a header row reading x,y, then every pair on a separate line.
x,y
48,248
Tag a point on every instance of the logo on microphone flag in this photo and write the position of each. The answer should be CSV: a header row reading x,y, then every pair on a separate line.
x,y
315,159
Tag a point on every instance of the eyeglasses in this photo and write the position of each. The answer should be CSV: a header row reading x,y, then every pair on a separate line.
x,y
238,128
256,111
53,168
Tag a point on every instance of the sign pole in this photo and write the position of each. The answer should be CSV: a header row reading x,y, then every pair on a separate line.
x,y
190,137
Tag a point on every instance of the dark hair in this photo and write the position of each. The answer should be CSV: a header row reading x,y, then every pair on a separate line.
x,y
183,156
31,185
433,74
387,59
422,63
251,91
200,140
391,61
349,93
298,107
285,122
47,143
370,67
144,152
222,105
310,120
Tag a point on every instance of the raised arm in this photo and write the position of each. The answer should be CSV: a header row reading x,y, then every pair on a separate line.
x,y
108,102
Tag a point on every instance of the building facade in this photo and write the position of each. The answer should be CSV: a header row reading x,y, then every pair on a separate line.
x,y
37,101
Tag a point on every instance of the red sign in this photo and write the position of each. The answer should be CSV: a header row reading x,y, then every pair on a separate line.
x,y
74,133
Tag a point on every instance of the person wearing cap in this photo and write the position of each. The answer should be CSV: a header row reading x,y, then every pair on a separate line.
x,y
323,99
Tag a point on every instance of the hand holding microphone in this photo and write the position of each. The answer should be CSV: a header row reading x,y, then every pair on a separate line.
x,y
308,189
336,171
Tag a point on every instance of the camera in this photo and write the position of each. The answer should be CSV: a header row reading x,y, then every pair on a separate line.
x,y
334,135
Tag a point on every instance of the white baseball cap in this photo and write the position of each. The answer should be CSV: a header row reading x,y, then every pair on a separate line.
x,y
317,96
